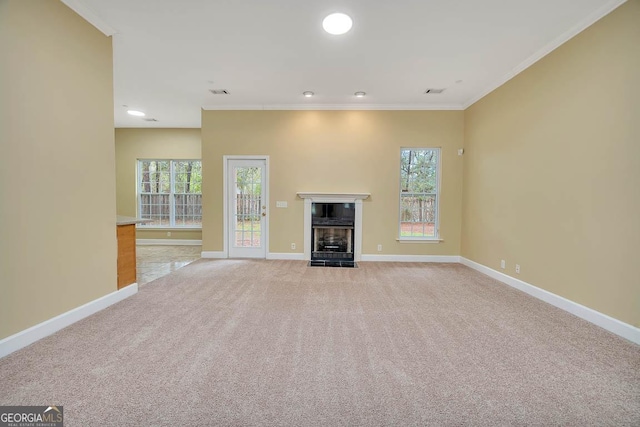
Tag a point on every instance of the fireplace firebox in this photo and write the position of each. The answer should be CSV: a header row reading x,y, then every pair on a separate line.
x,y
332,236
337,211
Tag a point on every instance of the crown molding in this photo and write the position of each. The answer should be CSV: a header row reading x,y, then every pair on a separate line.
x,y
563,38
287,107
79,7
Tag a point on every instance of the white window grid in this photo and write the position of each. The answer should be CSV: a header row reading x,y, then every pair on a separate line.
x,y
174,220
434,195
250,214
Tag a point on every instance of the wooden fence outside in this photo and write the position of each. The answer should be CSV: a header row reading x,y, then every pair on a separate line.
x,y
188,208
248,206
419,208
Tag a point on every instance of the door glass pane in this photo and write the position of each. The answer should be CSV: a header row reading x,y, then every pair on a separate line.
x,y
247,217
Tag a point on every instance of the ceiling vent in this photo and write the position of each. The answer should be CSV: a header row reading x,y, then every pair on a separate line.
x,y
430,91
150,119
219,91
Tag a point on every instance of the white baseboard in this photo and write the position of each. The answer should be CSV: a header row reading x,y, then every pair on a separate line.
x,y
300,257
410,258
213,254
29,336
270,255
622,329
286,255
172,242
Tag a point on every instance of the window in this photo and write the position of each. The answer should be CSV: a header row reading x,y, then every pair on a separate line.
x,y
419,186
170,193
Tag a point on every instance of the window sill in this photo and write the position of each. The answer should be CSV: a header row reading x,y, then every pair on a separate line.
x,y
419,240
170,228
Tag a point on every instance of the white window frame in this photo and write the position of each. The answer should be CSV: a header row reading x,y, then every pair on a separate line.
x,y
172,193
436,238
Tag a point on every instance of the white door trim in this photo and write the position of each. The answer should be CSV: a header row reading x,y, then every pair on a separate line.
x,y
225,195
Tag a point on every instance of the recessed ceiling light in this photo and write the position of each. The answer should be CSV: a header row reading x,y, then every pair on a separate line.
x,y
308,94
337,23
360,94
135,113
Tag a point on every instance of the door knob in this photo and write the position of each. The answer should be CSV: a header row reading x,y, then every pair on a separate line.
x,y
264,214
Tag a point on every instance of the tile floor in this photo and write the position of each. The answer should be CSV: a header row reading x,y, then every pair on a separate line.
x,y
153,262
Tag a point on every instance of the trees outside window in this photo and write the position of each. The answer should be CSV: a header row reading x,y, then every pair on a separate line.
x,y
170,193
419,188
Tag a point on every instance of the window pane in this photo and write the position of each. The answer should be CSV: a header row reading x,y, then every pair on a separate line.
x,y
418,193
418,171
156,194
188,176
188,210
155,207
155,176
187,190
417,215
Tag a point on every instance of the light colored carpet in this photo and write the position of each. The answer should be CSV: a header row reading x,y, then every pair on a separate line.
x,y
240,342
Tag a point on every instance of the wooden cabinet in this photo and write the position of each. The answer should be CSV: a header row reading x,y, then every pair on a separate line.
x,y
126,255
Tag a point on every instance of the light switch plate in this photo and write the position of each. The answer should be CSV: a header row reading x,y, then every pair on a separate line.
x,y
281,204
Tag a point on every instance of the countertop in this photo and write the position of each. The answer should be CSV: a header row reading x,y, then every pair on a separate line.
x,y
128,220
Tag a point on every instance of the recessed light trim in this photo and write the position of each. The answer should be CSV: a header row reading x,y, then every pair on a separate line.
x,y
337,23
308,94
136,113
360,94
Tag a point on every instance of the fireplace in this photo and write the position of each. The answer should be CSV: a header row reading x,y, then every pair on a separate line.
x,y
333,228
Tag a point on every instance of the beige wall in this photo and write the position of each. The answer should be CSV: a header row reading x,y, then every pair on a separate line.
x,y
334,151
134,144
57,180
552,169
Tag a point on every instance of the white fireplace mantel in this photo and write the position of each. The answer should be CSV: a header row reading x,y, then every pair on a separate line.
x,y
333,197
310,198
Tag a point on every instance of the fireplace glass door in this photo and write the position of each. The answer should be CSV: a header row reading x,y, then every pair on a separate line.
x,y
332,243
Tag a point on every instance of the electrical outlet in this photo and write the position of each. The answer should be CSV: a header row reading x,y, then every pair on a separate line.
x,y
168,234
293,246
379,248
503,264
518,268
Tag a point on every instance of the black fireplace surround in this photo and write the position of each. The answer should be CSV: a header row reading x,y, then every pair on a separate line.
x,y
332,234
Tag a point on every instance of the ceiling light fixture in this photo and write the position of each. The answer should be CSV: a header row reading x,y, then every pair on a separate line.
x,y
307,94
135,113
360,94
337,23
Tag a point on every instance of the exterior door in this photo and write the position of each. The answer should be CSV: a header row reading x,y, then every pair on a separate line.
x,y
247,204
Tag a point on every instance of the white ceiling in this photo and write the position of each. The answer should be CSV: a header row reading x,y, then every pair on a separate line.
x,y
168,53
